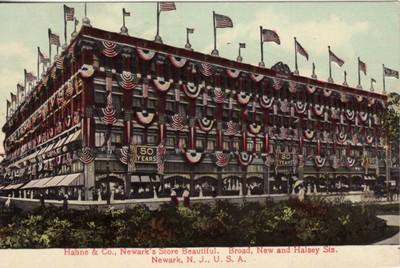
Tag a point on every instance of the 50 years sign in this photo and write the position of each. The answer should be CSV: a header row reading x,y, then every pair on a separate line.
x,y
144,154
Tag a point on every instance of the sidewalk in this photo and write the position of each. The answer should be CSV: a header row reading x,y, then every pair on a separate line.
x,y
393,220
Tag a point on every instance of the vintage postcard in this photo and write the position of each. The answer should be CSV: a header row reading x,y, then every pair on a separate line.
x,y
200,134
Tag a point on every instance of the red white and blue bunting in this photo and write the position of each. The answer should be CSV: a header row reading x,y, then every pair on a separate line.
x,y
127,80
87,155
145,54
363,116
232,73
300,107
341,137
161,84
231,128
319,161
191,90
277,83
350,114
327,92
124,155
205,124
109,112
177,62
218,95
371,101
350,161
369,139
177,122
311,89
266,102
309,134
109,49
318,110
254,128
144,117
245,158
86,70
192,156
222,160
359,98
243,98
256,77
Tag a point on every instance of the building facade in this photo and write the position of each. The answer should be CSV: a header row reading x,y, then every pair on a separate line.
x,y
122,116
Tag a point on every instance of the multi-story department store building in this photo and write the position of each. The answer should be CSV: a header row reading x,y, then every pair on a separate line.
x,y
133,116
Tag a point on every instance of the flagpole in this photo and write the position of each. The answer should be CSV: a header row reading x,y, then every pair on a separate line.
x,y
65,29
49,47
359,77
295,57
330,69
38,63
24,79
123,18
215,51
383,73
261,64
158,37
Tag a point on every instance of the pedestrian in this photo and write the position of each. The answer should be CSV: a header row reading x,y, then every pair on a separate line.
x,y
174,198
186,197
41,198
65,202
301,193
8,201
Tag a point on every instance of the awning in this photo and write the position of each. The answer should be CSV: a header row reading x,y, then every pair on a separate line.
x,y
54,181
49,147
373,178
1,187
283,178
145,178
271,179
135,178
30,184
60,142
73,137
42,182
71,180
13,186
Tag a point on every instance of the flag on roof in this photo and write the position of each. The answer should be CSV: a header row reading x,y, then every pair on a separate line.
x,y
301,50
42,57
69,13
373,80
190,30
54,38
390,72
167,6
222,21
270,36
29,76
362,66
242,45
335,59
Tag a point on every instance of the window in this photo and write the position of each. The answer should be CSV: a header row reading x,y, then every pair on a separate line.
x,y
100,98
210,145
182,142
259,145
170,141
151,139
226,145
99,138
116,138
152,104
137,139
117,101
250,145
235,144
137,103
199,143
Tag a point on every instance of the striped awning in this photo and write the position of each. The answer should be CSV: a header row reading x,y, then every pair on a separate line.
x,y
42,182
13,186
54,181
30,184
71,180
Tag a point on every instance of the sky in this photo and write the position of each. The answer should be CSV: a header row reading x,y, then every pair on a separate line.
x,y
369,30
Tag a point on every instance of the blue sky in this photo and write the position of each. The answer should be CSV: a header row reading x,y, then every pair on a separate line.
x,y
370,30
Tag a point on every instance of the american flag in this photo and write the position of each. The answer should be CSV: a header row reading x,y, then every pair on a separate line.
x,y
335,59
206,69
42,57
301,50
29,76
362,66
190,30
222,21
54,38
390,72
167,6
373,80
242,45
69,13
270,36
